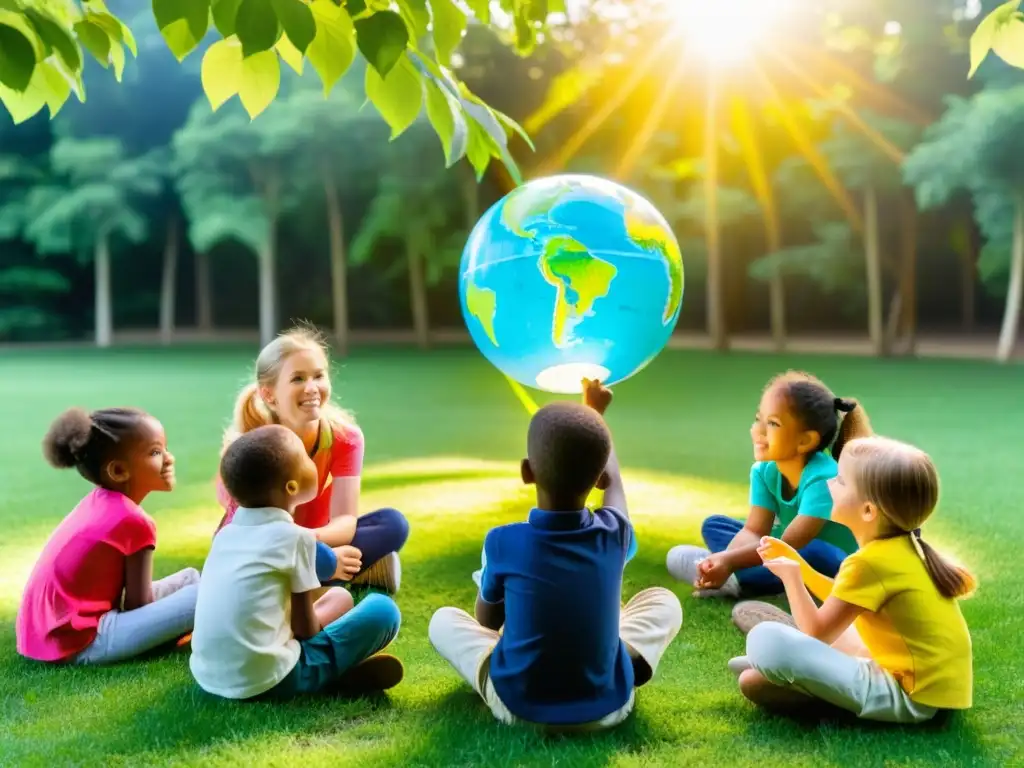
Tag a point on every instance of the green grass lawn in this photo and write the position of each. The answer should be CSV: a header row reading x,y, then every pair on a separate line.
x,y
444,434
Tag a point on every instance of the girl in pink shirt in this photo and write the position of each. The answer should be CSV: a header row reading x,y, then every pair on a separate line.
x,y
91,598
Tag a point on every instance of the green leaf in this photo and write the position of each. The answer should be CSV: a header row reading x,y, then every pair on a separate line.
x,y
57,37
492,127
183,24
397,97
515,127
333,49
17,58
48,88
221,71
1008,42
446,117
117,59
95,40
481,9
479,149
382,39
256,26
449,24
416,15
984,34
291,55
297,20
224,14
261,79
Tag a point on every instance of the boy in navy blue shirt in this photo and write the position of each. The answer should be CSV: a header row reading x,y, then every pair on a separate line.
x,y
550,644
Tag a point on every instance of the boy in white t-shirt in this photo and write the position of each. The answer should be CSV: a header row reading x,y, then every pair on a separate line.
x,y
258,631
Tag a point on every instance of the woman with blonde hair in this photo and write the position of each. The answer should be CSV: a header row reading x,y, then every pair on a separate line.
x,y
293,389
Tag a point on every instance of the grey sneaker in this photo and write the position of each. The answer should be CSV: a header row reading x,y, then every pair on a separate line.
x,y
385,574
750,613
739,664
682,564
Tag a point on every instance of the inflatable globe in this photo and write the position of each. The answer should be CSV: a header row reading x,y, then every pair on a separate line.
x,y
569,277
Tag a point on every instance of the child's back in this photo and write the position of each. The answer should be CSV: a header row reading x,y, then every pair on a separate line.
x,y
569,654
560,658
243,643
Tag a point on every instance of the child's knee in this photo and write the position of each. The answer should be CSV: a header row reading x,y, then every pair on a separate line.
x,y
382,612
712,526
774,646
190,576
397,524
440,624
337,600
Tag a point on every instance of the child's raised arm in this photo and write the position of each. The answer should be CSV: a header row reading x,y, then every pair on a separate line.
x,y
138,579
826,623
773,549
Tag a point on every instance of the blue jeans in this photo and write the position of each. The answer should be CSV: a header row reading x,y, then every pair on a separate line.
x,y
377,534
718,532
365,630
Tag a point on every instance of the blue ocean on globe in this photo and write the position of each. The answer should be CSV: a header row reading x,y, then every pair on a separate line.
x,y
568,277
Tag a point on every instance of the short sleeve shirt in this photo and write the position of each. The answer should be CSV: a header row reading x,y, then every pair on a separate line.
x,y
79,575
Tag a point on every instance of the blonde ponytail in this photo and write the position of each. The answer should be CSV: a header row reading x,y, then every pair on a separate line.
x,y
250,413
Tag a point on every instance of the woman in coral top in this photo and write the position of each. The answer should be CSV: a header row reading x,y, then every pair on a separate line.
x,y
293,388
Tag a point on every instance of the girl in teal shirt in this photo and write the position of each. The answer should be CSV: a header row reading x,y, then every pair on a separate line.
x,y
798,433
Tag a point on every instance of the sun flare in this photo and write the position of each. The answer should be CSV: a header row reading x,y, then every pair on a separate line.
x,y
725,31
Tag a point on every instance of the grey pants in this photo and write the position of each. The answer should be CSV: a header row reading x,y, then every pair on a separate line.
x,y
788,658
123,635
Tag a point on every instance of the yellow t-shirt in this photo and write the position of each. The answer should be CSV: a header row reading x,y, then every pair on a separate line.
x,y
911,630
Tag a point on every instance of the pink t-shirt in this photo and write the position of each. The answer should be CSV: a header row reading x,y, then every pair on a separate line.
x,y
80,575
338,454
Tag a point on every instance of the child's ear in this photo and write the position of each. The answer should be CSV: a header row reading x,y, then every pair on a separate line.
x,y
117,471
869,512
809,441
603,482
527,472
291,487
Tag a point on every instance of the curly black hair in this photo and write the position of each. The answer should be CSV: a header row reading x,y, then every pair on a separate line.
x,y
568,445
89,441
255,464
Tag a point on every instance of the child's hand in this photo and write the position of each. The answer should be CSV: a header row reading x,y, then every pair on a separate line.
x,y
712,572
350,560
596,396
785,568
771,548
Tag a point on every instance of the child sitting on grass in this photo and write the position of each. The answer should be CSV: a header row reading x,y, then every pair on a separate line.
x,y
798,433
258,631
889,642
569,656
91,598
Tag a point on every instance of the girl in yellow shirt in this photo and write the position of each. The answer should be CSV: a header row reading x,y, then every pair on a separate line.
x,y
889,642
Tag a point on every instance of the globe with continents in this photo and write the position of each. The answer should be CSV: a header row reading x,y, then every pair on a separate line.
x,y
569,277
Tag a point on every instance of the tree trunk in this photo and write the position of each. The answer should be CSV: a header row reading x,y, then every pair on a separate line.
x,y
908,275
168,282
715,297
1011,318
969,282
104,301
873,264
204,294
418,294
267,276
339,268
776,286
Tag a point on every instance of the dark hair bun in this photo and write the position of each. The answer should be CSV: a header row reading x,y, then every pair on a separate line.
x,y
67,437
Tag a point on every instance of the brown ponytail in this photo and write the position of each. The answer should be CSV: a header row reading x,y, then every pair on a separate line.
x,y
951,580
855,423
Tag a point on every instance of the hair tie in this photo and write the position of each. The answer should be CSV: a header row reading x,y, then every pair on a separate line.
x,y
844,406
915,539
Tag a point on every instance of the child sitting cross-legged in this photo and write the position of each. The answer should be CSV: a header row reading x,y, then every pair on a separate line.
x,y
258,631
568,656
889,642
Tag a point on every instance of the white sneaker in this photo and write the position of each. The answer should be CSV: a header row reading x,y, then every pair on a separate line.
x,y
682,562
385,574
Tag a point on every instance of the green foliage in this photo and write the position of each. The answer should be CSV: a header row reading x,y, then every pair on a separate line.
x,y
96,194
834,259
409,50
41,56
859,160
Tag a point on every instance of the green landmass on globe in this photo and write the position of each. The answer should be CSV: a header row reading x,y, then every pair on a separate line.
x,y
579,277
569,266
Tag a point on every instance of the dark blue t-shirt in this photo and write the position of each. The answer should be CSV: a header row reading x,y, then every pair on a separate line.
x,y
559,660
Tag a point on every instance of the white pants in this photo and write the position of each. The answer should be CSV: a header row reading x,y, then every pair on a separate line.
x,y
790,659
123,635
648,624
